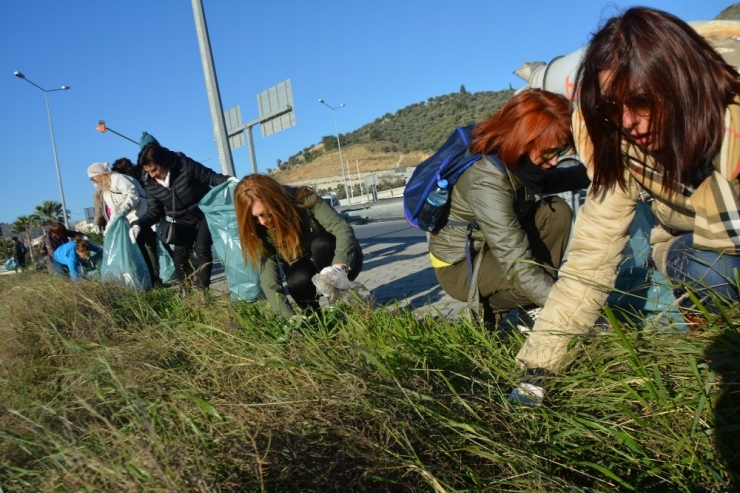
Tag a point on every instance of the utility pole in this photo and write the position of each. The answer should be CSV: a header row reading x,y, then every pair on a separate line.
x,y
214,97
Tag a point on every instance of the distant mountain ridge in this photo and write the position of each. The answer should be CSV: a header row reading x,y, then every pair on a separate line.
x,y
401,139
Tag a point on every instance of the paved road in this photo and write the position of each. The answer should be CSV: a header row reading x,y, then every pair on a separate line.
x,y
397,269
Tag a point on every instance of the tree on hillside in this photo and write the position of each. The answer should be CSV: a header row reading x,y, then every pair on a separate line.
x,y
23,224
50,211
420,126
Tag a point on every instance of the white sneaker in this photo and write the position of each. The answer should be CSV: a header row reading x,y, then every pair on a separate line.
x,y
527,318
528,394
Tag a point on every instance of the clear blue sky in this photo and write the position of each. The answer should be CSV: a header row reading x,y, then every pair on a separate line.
x,y
136,65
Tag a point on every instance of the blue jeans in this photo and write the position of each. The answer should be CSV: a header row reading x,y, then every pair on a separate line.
x,y
702,272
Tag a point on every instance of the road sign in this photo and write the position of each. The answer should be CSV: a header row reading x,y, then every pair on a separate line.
x,y
274,100
233,119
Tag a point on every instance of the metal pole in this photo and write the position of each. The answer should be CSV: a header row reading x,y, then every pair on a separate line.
x,y
339,145
341,161
359,177
252,155
214,97
56,161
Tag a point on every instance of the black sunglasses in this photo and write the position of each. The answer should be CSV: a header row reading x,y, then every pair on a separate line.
x,y
560,152
639,104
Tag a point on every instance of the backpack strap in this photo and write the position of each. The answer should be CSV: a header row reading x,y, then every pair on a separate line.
x,y
473,268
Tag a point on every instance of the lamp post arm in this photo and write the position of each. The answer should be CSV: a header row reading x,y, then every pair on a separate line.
x,y
121,135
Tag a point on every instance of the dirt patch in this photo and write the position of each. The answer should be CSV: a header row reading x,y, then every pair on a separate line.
x,y
366,158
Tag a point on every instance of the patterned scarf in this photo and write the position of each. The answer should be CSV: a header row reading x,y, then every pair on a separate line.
x,y
715,202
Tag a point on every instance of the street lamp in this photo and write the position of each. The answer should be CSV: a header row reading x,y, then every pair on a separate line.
x,y
339,145
53,143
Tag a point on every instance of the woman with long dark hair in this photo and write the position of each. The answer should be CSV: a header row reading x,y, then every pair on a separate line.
x,y
175,186
521,238
295,226
657,120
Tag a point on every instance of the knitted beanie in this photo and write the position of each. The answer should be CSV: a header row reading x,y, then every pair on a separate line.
x,y
146,139
96,169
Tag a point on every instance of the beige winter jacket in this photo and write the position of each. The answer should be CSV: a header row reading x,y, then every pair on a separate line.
x,y
595,252
125,195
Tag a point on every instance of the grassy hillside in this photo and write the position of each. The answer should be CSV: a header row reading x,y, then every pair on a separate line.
x,y
401,139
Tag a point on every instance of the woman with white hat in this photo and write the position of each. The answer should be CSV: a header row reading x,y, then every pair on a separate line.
x,y
123,194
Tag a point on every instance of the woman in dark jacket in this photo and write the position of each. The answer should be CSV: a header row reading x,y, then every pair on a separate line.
x,y
175,186
522,238
297,227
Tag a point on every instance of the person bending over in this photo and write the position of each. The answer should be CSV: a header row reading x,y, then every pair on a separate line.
x,y
71,254
521,238
658,118
295,226
123,194
175,186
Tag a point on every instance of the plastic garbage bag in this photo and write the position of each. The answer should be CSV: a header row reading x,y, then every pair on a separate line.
x,y
640,287
11,264
333,283
123,261
241,276
166,264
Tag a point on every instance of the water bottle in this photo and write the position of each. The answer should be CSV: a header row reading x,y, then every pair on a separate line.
x,y
434,206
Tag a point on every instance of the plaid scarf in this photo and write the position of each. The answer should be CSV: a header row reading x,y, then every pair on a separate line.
x,y
715,203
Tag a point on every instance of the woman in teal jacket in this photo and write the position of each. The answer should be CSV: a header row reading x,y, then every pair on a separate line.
x,y
72,252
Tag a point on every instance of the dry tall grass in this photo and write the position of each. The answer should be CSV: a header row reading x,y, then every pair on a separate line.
x,y
106,390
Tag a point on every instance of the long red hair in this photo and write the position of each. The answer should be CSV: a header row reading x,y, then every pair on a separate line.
x,y
285,206
531,120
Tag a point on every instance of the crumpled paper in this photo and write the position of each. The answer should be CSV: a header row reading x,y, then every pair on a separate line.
x,y
333,283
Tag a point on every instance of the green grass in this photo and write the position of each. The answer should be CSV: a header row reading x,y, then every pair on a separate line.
x,y
106,390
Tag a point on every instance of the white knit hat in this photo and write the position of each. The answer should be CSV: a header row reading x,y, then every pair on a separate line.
x,y
96,169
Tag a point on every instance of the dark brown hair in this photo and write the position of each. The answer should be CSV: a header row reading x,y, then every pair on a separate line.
x,y
58,229
284,206
156,154
654,53
531,120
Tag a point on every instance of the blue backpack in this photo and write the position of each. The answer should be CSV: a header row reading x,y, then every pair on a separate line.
x,y
448,163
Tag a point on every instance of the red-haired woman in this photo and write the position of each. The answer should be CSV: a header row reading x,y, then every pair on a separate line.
x,y
522,238
295,226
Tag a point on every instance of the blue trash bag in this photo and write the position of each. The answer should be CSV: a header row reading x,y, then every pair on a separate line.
x,y
241,276
11,264
166,264
123,261
640,288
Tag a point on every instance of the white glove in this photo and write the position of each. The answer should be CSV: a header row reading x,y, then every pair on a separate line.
x,y
96,229
133,233
233,179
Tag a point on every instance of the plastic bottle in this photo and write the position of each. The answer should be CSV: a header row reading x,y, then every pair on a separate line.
x,y
434,206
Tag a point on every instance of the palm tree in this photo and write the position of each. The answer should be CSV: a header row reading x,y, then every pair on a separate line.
x,y
49,212
23,224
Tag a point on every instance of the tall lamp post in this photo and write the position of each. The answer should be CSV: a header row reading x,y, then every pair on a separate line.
x,y
339,145
53,143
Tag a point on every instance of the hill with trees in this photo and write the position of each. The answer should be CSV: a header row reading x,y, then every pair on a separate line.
x,y
403,138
